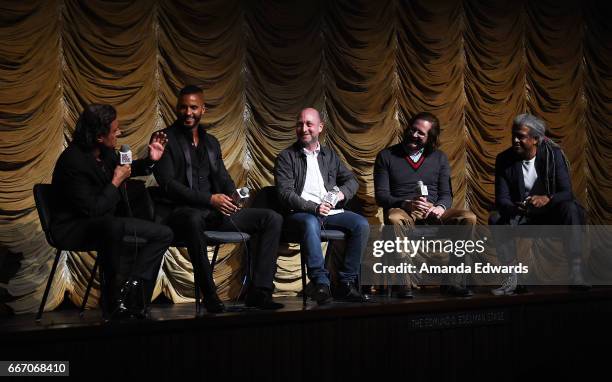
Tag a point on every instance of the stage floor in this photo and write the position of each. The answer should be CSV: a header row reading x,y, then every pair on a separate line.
x,y
428,337
426,300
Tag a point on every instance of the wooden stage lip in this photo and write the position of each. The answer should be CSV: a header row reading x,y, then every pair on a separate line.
x,y
182,316
445,337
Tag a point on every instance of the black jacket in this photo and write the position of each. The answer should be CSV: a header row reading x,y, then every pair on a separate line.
x,y
173,171
290,176
510,186
83,188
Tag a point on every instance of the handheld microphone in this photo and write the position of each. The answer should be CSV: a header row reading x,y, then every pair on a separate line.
x,y
332,196
421,189
125,155
240,196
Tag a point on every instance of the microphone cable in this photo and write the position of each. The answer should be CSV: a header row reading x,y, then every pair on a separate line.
x,y
135,243
234,308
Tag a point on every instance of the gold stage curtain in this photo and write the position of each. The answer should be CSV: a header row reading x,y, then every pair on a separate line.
x,y
368,66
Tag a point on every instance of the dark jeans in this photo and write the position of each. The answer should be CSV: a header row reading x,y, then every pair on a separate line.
x,y
308,227
264,226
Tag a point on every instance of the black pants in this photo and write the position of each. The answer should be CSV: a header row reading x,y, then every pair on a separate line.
x,y
568,213
119,260
264,226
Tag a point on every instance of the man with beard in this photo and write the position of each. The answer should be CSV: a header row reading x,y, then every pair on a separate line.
x,y
195,194
304,174
397,171
89,181
533,186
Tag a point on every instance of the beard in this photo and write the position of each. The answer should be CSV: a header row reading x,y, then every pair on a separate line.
x,y
195,122
414,144
313,141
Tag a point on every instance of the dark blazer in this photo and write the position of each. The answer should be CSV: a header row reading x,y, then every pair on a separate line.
x,y
510,186
83,188
173,171
290,176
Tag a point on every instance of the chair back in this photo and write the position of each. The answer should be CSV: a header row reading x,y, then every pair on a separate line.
x,y
140,205
45,204
267,198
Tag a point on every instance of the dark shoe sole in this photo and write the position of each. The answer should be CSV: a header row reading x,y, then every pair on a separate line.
x,y
351,298
321,297
580,288
267,306
214,308
453,292
404,295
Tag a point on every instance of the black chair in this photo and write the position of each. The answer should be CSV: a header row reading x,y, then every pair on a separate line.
x,y
45,205
213,238
267,198
216,239
142,207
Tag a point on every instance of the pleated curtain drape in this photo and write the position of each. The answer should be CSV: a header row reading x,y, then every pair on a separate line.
x,y
368,66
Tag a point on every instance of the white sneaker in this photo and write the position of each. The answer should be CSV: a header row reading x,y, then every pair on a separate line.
x,y
576,279
508,287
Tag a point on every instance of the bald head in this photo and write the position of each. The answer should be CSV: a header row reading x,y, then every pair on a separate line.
x,y
308,127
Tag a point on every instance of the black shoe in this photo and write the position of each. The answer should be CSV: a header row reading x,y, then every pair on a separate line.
x,y
404,291
213,304
321,294
580,288
374,290
346,291
455,291
261,298
130,303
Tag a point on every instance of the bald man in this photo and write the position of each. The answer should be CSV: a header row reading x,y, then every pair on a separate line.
x,y
305,173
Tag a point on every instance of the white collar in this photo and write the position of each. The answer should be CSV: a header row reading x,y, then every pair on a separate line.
x,y
529,161
317,150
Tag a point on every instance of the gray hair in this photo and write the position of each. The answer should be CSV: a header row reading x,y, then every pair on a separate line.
x,y
547,148
537,127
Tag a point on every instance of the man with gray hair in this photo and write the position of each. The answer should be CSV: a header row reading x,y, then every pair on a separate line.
x,y
533,186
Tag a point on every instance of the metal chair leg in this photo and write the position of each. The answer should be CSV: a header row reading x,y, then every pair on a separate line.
x,y
303,269
247,275
196,285
58,253
212,269
89,284
214,259
197,298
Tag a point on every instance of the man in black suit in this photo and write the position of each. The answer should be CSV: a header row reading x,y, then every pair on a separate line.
x,y
88,183
533,186
195,194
